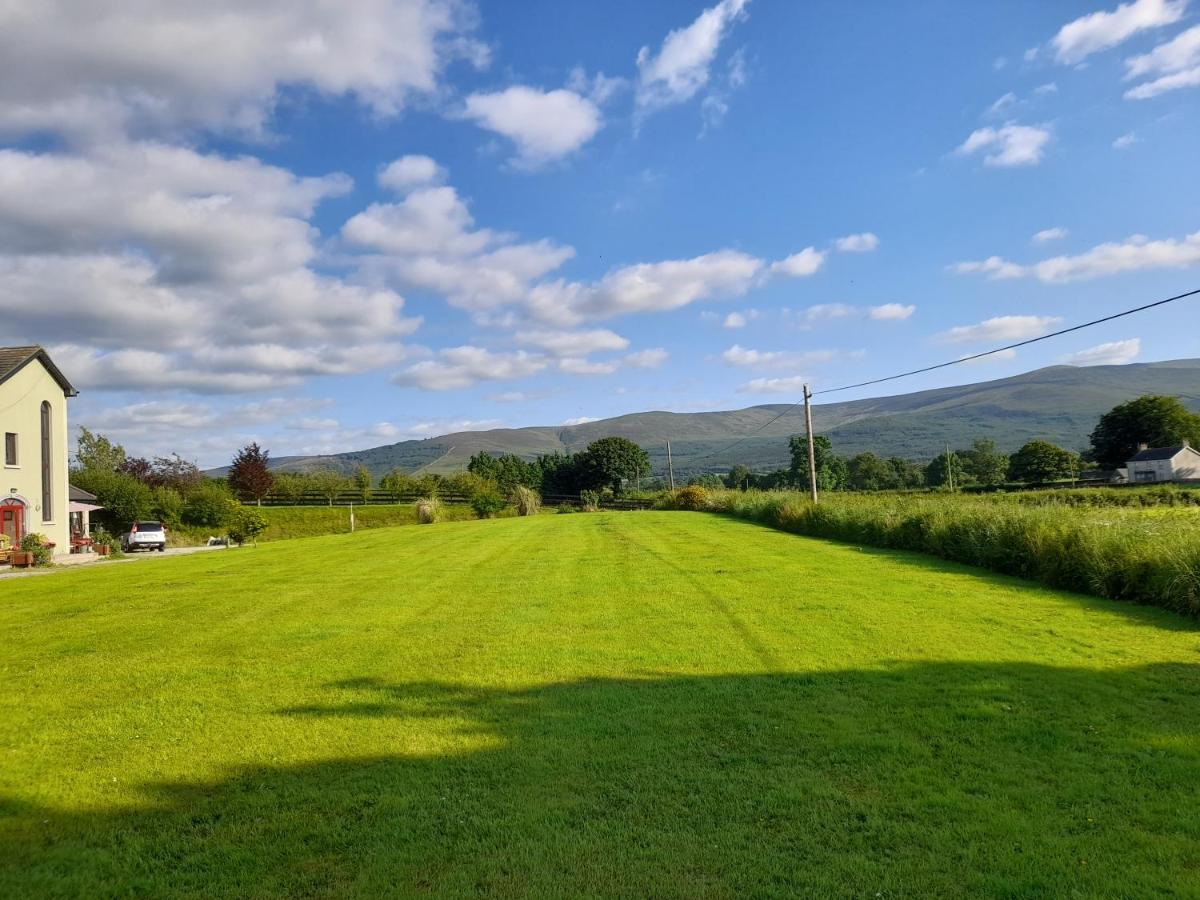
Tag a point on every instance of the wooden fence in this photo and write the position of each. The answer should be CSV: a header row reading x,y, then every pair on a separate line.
x,y
379,497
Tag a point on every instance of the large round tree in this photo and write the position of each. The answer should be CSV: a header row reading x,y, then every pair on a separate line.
x,y
1155,421
610,461
1039,462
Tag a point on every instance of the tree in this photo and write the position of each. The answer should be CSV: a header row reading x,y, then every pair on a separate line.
x,y
328,483
708,480
209,505
139,468
124,498
740,478
942,469
395,483
246,524
1040,461
249,474
612,460
175,472
362,483
831,469
95,452
984,464
908,474
290,486
867,472
1153,420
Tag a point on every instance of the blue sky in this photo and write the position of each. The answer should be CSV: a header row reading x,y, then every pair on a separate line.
x,y
331,229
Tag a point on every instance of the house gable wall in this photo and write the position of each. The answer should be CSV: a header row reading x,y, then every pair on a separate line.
x,y
21,398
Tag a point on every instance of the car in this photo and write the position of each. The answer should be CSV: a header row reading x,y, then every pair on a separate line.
x,y
145,536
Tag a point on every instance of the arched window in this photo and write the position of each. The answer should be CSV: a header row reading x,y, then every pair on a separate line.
x,y
47,480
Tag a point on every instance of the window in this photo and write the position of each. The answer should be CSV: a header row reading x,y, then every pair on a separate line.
x,y
47,481
10,449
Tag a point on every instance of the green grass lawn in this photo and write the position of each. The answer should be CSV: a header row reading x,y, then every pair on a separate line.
x,y
634,704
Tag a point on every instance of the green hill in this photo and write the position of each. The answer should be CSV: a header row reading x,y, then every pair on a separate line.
x,y
1060,404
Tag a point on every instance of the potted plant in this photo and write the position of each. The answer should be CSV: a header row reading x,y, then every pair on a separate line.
x,y
36,550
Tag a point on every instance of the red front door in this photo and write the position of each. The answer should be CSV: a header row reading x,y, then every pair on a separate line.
x,y
12,520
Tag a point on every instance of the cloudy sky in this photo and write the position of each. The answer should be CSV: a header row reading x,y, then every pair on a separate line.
x,y
332,226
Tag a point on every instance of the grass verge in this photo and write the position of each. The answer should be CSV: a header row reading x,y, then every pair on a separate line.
x,y
618,704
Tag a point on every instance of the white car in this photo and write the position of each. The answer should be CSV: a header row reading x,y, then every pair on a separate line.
x,y
145,536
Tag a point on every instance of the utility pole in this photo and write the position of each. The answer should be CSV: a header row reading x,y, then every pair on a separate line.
x,y
670,465
812,459
949,469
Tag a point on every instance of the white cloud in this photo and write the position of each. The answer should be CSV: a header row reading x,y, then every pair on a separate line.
x,y
857,243
1102,30
800,265
1002,105
891,312
96,69
1001,328
573,343
512,397
409,172
1134,254
1048,88
462,367
993,267
1176,81
214,254
680,69
646,359
646,287
580,420
793,384
998,356
779,359
1125,141
580,366
1009,145
599,88
1179,53
823,311
1050,234
734,320
1114,353
544,125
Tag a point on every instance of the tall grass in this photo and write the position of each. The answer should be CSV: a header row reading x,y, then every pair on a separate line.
x,y
1148,557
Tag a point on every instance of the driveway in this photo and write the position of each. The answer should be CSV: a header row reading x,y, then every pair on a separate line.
x,y
87,559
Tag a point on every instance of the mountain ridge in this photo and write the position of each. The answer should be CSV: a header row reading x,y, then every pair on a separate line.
x,y
1057,403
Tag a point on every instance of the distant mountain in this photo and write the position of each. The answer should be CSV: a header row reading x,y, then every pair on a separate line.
x,y
1059,404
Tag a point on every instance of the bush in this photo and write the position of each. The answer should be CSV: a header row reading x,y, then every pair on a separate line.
x,y
38,545
166,505
1144,557
487,503
528,502
209,505
589,501
429,510
246,524
694,496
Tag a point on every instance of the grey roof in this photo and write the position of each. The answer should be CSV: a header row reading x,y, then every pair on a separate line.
x,y
1156,453
14,359
79,495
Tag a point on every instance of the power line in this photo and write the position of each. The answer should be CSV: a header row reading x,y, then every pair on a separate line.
x,y
953,362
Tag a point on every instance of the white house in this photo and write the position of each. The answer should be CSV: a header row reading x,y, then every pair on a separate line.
x,y
34,495
1151,464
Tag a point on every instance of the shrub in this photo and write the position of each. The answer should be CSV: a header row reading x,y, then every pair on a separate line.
x,y
589,501
167,506
429,510
209,505
487,503
1146,557
246,524
528,502
694,496
38,545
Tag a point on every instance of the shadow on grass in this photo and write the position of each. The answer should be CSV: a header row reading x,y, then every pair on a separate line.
x,y
914,780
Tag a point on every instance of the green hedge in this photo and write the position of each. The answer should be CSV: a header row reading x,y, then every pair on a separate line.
x,y
309,521
1150,557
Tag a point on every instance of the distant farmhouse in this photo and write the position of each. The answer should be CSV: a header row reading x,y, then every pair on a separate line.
x,y
1157,464
34,494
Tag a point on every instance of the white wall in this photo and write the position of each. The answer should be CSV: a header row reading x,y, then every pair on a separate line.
x,y
21,399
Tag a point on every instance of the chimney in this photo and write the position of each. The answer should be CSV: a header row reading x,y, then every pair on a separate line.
x,y
1142,447
1187,444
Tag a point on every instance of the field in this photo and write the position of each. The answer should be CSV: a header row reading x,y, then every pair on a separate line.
x,y
634,704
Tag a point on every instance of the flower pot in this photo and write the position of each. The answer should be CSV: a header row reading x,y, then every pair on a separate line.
x,y
101,549
22,558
